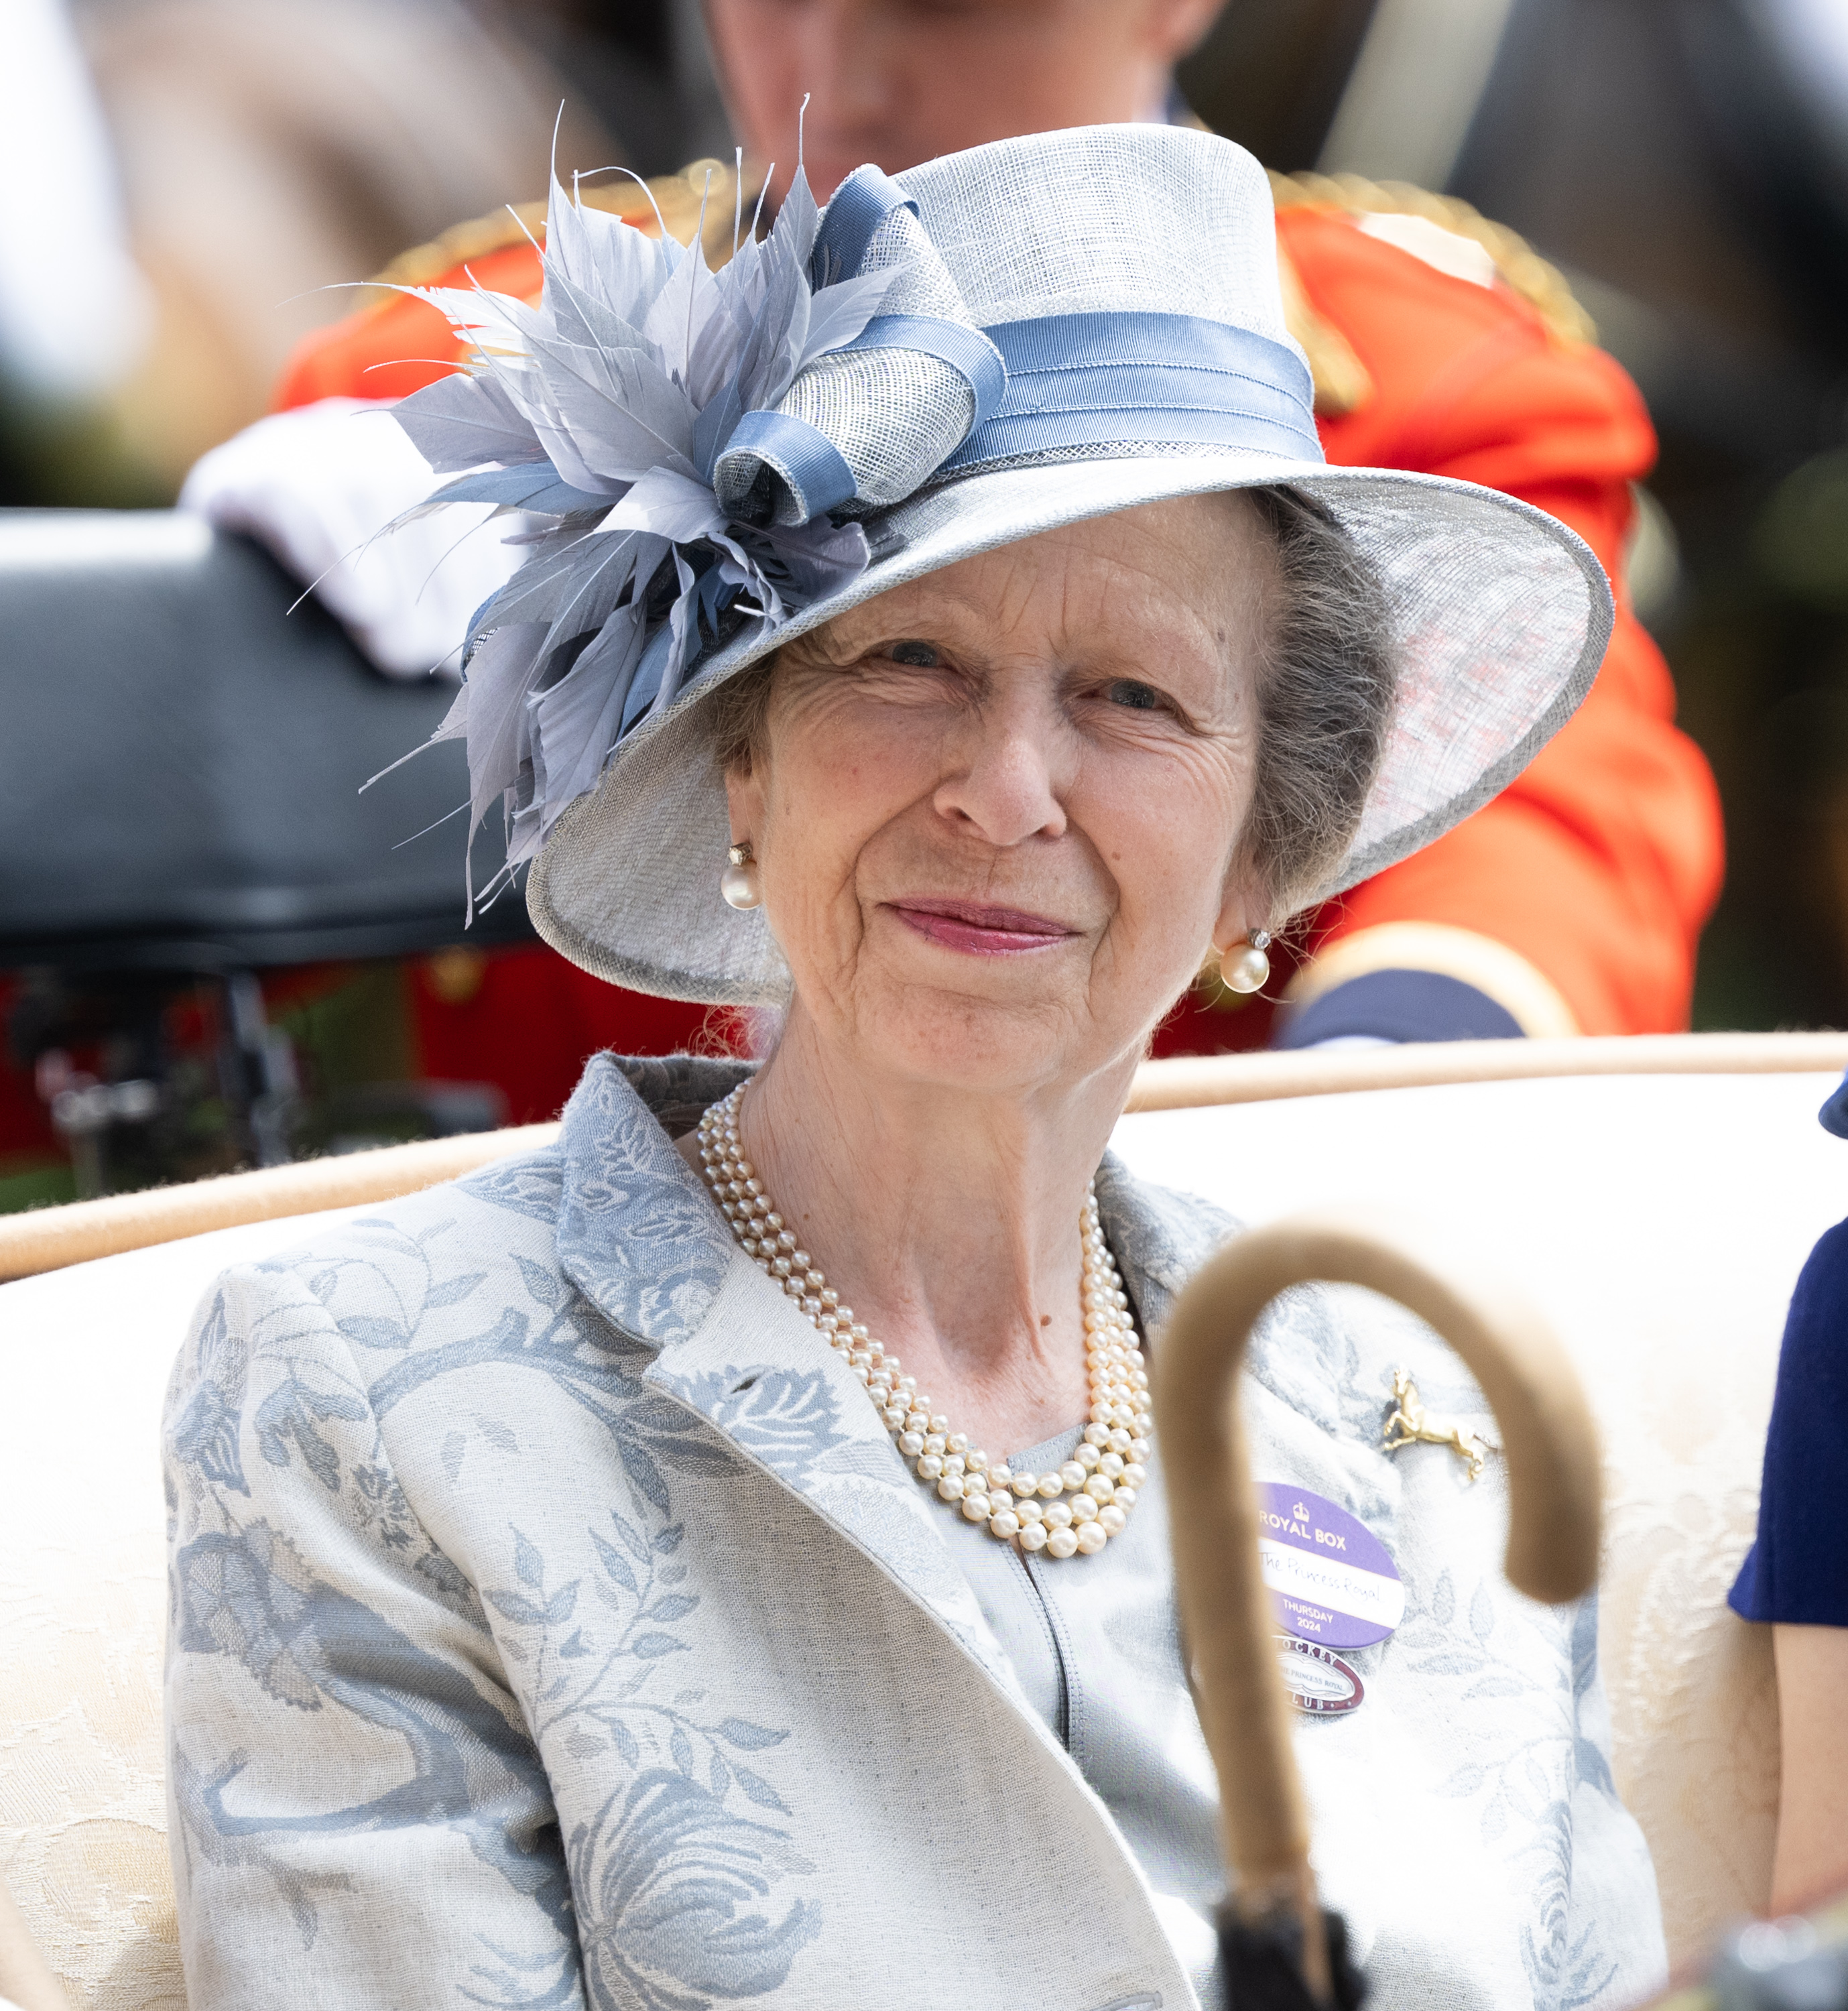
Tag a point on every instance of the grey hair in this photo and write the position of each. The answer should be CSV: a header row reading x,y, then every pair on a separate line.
x,y
1325,696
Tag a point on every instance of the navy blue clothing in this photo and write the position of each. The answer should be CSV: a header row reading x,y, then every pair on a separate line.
x,y
1833,1116
1797,1572
1400,1005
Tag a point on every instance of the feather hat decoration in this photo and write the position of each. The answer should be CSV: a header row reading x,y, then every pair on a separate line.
x,y
692,447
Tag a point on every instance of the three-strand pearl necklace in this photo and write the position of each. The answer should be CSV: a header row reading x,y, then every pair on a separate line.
x,y
1075,1507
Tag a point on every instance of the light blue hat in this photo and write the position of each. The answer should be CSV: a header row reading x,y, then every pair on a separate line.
x,y
988,346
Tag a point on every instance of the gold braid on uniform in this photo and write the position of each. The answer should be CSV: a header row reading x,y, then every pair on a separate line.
x,y
677,196
1521,267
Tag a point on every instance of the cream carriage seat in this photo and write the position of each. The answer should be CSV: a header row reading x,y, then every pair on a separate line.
x,y
1659,1219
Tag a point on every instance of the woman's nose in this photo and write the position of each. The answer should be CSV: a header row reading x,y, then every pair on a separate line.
x,y
1005,787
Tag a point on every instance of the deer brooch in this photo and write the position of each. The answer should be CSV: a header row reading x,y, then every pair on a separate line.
x,y
1406,1424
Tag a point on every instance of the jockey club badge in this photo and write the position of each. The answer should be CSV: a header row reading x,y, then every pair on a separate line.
x,y
1330,1580
1319,1683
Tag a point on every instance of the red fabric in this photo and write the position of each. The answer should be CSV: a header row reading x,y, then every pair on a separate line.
x,y
1599,864
536,1020
25,1123
390,351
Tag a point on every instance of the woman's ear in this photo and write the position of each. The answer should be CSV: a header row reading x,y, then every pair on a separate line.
x,y
744,801
1246,907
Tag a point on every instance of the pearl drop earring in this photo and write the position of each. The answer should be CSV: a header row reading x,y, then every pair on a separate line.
x,y
738,881
1245,967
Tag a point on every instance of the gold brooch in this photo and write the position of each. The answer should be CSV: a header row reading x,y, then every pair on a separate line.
x,y
1406,1424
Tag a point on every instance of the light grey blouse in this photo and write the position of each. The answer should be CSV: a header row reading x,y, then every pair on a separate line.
x,y
1095,1645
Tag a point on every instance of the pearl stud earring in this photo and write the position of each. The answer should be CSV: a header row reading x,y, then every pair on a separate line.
x,y
1245,967
738,881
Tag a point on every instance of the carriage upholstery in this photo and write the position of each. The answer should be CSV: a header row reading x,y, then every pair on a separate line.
x,y
156,676
1659,1220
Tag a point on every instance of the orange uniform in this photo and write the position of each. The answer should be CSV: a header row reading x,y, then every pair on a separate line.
x,y
1575,899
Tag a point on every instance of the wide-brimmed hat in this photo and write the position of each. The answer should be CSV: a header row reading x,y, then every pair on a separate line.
x,y
990,346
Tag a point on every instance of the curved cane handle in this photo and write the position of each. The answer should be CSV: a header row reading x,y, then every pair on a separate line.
x,y
1548,1440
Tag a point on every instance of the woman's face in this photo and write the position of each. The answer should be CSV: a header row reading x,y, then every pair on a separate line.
x,y
995,812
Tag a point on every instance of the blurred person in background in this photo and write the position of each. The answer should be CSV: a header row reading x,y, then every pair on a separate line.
x,y
1572,903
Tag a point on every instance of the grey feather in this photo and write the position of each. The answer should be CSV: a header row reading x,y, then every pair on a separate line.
x,y
602,409
528,485
464,421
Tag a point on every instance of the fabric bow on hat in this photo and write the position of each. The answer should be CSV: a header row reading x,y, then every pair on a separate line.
x,y
697,445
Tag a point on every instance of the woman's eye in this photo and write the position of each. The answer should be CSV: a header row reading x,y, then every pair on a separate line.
x,y
919,656
1137,697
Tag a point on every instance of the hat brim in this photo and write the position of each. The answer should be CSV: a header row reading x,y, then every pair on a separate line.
x,y
1500,616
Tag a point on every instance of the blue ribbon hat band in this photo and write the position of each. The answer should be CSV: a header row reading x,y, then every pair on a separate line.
x,y
1095,380
1060,381
855,212
966,350
802,454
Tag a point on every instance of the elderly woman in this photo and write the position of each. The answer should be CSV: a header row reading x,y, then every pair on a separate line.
x,y
721,1558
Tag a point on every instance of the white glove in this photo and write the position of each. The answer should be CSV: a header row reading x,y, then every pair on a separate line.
x,y
316,484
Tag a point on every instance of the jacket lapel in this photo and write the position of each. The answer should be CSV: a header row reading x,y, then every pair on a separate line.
x,y
639,1237
759,1373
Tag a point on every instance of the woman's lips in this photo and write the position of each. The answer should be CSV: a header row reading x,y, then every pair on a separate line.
x,y
980,931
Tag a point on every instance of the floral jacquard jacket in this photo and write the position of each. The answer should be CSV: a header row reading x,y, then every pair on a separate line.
x,y
553,1623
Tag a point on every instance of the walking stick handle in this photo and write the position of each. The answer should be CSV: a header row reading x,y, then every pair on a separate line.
x,y
1547,1437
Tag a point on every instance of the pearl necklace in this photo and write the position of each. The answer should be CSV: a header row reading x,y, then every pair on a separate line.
x,y
1075,1507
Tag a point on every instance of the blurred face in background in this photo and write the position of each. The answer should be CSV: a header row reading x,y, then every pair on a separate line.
x,y
901,81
